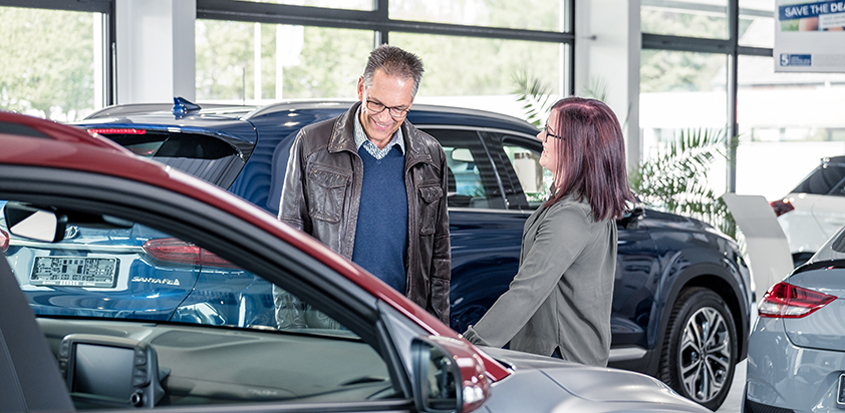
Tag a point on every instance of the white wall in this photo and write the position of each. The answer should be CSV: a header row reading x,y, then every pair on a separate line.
x,y
155,50
607,51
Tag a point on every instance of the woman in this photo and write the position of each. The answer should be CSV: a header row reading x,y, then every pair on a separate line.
x,y
559,302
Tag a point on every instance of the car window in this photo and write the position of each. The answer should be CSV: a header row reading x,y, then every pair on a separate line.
x,y
532,177
472,181
826,179
219,332
205,157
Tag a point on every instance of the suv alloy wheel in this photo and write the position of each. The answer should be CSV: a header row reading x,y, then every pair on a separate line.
x,y
700,349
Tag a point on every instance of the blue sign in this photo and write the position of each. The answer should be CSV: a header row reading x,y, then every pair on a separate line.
x,y
800,11
787,59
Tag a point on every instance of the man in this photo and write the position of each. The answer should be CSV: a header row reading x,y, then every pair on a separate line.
x,y
372,187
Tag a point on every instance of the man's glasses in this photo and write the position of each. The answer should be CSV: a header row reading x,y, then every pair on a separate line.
x,y
397,112
548,133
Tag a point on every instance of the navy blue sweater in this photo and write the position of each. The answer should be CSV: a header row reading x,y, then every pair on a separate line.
x,y
382,229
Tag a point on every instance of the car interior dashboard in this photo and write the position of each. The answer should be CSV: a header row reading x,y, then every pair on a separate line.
x,y
112,364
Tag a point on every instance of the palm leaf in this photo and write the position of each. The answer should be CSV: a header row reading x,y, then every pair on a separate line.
x,y
674,180
534,96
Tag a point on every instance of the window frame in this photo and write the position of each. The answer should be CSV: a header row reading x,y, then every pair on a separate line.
x,y
506,137
485,163
108,49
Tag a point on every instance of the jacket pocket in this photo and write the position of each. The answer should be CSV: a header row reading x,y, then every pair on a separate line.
x,y
429,203
326,190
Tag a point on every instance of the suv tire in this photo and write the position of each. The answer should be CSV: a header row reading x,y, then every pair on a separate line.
x,y
700,348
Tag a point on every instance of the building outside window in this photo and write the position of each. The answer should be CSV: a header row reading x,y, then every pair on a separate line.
x,y
38,78
786,121
472,50
297,62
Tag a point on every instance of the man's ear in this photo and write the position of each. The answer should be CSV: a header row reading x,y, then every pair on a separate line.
x,y
361,88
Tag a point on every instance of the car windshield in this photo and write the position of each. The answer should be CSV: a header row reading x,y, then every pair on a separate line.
x,y
823,179
106,267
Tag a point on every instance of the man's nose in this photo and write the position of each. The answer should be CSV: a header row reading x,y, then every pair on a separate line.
x,y
384,116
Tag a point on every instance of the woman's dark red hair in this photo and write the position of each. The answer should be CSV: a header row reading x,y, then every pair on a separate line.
x,y
591,157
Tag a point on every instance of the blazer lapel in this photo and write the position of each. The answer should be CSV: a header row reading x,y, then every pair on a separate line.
x,y
530,230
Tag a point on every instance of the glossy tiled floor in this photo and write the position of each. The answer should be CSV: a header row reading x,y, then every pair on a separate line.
x,y
734,401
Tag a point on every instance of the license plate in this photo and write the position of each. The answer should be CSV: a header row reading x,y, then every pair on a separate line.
x,y
74,272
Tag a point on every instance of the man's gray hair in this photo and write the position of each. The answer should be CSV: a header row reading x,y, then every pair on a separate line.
x,y
394,62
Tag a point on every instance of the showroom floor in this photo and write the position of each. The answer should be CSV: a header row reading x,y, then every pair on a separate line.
x,y
734,401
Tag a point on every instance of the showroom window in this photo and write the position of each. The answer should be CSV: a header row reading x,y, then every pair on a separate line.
x,y
693,53
787,123
317,49
335,4
295,61
756,23
691,18
681,91
62,83
526,14
695,75
466,71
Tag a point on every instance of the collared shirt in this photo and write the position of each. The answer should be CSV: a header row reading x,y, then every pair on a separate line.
x,y
361,139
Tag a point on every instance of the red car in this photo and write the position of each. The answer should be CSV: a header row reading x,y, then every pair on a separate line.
x,y
357,346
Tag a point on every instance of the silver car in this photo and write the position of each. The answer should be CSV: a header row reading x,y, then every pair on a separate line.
x,y
796,356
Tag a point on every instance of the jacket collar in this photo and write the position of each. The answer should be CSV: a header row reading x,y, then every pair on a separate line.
x,y
343,138
343,132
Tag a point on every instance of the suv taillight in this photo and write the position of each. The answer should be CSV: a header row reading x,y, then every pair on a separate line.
x,y
782,206
178,251
788,301
4,241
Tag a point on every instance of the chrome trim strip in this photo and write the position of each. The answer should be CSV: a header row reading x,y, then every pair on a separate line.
x,y
111,249
626,353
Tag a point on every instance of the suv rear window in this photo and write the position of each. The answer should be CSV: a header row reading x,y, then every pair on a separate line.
x,y
823,180
205,157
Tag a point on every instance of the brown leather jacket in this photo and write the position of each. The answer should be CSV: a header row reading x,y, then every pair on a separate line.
x,y
322,190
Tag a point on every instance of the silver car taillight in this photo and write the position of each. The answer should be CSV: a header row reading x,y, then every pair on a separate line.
x,y
788,301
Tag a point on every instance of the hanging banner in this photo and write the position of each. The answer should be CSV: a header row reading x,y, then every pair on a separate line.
x,y
810,36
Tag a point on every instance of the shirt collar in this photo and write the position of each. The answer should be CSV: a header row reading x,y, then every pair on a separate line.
x,y
361,137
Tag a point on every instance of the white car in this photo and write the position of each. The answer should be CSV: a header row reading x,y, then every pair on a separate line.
x,y
814,210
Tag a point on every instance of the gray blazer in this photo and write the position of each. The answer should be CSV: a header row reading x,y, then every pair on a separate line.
x,y
561,296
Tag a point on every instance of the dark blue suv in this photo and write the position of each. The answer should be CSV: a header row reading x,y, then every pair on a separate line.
x,y
682,295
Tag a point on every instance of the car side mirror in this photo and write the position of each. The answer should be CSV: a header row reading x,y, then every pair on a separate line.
x,y
449,376
631,218
37,224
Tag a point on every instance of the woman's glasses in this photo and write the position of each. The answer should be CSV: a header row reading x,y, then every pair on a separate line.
x,y
548,133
